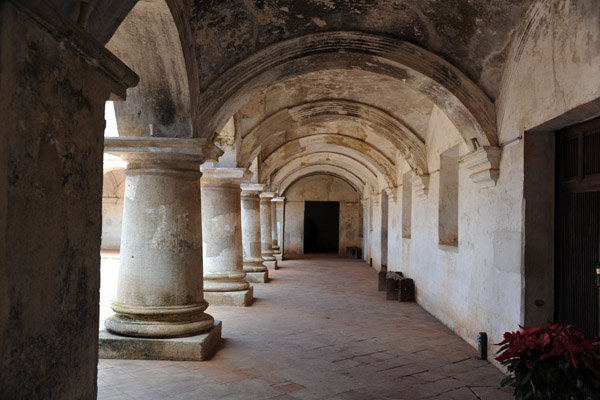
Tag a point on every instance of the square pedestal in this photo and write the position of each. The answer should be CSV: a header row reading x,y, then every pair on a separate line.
x,y
270,264
257,277
239,298
190,348
278,257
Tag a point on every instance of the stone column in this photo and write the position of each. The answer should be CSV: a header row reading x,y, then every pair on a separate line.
x,y
224,282
266,239
159,292
277,206
366,222
254,267
274,242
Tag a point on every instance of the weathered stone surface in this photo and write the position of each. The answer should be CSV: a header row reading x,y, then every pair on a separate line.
x,y
484,165
54,82
251,231
257,277
237,298
271,264
160,105
222,236
266,241
472,36
189,348
160,290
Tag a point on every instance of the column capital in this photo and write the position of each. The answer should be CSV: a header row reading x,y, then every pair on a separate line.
x,y
278,200
267,195
223,176
249,188
145,150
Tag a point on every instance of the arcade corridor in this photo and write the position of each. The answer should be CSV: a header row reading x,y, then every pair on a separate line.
x,y
318,330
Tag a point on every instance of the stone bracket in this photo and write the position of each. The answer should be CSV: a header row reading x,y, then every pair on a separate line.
x,y
484,165
392,193
420,185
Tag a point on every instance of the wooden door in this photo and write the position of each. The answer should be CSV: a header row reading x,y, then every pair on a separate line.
x,y
578,226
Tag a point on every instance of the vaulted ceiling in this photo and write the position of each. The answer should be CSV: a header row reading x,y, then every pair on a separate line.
x,y
355,79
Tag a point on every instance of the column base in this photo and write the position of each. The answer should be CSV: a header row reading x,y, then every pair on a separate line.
x,y
255,267
279,257
271,264
239,298
257,277
189,348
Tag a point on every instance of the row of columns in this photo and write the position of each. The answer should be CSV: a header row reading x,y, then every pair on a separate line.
x,y
167,275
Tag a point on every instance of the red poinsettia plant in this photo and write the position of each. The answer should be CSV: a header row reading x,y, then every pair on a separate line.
x,y
552,362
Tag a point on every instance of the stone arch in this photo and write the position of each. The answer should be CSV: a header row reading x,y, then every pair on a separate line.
x,y
335,144
323,159
113,185
323,173
393,131
471,111
150,41
286,181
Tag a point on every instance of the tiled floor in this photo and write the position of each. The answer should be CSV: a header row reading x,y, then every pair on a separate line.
x,y
318,330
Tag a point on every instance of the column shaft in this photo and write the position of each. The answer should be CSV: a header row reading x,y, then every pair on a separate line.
x,y
277,223
224,282
253,263
274,241
265,230
159,292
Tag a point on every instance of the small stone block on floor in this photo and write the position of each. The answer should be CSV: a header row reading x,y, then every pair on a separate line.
x,y
189,348
271,264
239,298
257,277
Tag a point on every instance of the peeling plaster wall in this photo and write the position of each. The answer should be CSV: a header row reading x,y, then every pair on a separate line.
x,y
552,80
407,105
475,286
553,65
472,35
320,188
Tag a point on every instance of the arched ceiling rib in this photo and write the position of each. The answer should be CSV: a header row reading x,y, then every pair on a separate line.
x,y
323,159
275,130
331,144
281,183
322,173
466,105
148,41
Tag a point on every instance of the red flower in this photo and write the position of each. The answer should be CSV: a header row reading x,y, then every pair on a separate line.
x,y
576,347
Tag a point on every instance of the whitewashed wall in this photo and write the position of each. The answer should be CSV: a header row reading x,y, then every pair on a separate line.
x,y
479,285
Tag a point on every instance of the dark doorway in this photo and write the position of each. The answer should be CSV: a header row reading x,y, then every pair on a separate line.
x,y
578,221
321,226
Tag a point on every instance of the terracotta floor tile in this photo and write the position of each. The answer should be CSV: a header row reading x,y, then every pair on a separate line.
x,y
318,330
